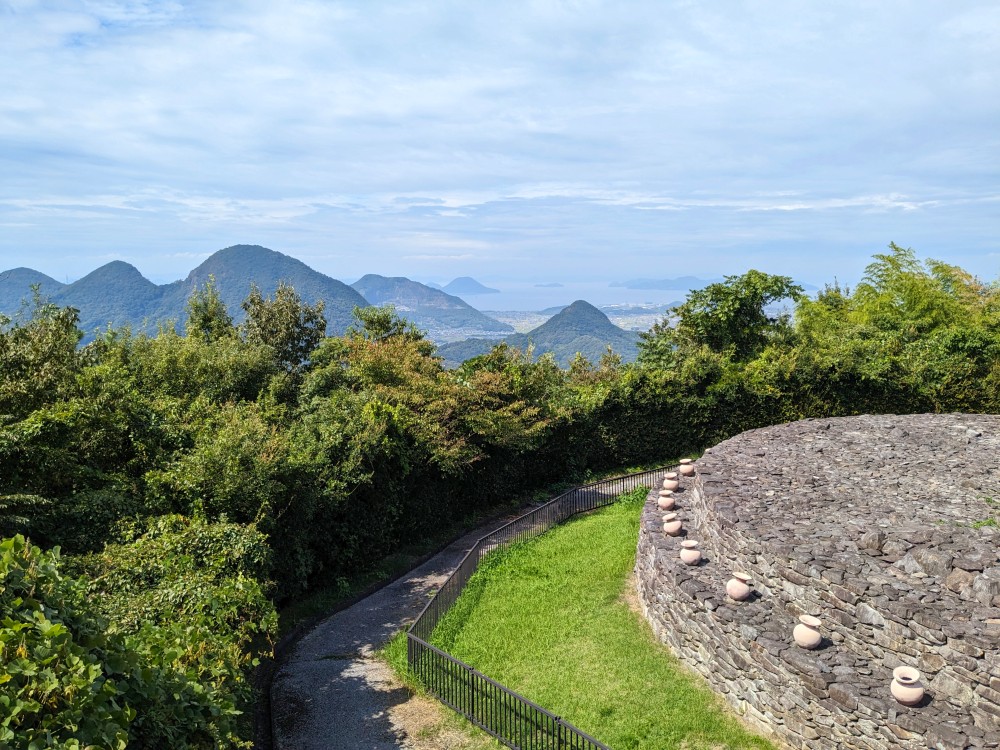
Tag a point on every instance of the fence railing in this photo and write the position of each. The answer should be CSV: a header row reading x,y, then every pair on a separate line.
x,y
513,719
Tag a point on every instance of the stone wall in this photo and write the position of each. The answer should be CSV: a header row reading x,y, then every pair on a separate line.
x,y
874,524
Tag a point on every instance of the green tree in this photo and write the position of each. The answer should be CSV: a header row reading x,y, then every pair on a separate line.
x,y
286,324
381,324
39,359
61,677
208,318
728,318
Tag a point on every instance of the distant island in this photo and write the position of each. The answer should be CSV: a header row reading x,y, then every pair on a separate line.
x,y
468,285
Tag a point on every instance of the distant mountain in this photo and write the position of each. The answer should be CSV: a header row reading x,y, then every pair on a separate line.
x,y
440,314
581,327
118,294
468,285
234,268
549,285
115,293
434,285
15,287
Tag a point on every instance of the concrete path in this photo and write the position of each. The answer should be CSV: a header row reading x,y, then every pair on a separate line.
x,y
331,693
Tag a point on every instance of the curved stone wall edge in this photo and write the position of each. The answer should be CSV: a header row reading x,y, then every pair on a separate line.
x,y
899,580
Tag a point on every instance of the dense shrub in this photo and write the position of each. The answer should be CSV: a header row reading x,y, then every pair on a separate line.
x,y
198,478
61,683
153,651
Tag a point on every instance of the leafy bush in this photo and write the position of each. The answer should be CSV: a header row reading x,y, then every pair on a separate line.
x,y
153,652
61,682
187,599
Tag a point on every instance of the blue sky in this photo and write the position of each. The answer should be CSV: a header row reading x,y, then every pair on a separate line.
x,y
517,142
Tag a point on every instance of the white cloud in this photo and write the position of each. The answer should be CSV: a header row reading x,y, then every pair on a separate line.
x,y
548,128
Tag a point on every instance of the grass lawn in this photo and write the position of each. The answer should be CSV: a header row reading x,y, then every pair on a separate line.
x,y
322,600
550,618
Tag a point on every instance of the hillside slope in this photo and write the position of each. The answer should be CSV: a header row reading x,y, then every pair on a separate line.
x,y
15,288
118,294
443,316
115,294
581,327
236,267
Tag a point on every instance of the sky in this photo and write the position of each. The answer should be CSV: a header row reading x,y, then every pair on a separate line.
x,y
518,142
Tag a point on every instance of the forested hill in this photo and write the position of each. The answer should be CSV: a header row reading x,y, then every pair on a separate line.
x,y
234,268
579,328
15,284
440,314
119,295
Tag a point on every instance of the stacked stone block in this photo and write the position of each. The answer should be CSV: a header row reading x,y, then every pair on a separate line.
x,y
881,527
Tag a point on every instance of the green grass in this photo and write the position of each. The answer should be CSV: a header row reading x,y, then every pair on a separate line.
x,y
320,601
548,619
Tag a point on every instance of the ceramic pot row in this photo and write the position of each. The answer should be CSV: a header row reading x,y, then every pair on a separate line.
x,y
905,687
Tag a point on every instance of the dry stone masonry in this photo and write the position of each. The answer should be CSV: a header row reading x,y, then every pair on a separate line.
x,y
881,527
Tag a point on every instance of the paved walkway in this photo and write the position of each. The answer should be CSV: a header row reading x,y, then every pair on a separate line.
x,y
331,693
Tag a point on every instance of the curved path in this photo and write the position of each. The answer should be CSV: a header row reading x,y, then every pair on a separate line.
x,y
332,693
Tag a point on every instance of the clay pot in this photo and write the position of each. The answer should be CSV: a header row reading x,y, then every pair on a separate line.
x,y
670,482
690,554
738,587
686,468
806,633
906,687
671,524
665,501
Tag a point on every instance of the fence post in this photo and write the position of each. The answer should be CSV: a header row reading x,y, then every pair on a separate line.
x,y
472,694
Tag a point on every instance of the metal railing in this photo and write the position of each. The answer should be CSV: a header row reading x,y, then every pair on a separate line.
x,y
513,719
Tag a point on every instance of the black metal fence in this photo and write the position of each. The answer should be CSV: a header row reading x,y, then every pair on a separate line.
x,y
511,718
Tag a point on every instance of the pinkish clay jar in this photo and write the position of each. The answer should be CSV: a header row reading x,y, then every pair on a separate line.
x,y
906,687
806,633
690,554
738,587
671,524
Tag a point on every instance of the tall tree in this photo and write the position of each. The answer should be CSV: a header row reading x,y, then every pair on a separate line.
x,y
208,318
38,356
286,324
728,318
